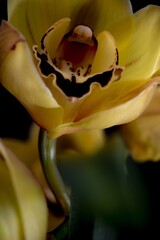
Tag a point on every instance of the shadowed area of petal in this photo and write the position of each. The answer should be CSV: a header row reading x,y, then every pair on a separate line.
x,y
21,78
142,56
30,201
42,14
99,15
33,18
17,16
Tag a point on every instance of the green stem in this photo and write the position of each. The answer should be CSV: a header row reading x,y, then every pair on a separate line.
x,y
47,151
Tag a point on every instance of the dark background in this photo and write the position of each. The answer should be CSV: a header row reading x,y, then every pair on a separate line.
x,y
15,123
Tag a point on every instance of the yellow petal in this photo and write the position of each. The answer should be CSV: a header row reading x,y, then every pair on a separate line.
x,y
20,76
125,109
30,201
142,57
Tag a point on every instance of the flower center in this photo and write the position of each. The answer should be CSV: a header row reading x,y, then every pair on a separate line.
x,y
76,52
77,60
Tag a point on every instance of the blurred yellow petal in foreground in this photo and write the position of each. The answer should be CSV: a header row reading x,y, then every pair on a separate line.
x,y
23,208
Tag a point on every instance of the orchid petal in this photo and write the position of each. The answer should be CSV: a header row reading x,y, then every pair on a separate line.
x,y
30,201
142,56
123,110
22,79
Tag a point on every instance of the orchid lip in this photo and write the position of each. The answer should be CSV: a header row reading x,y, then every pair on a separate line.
x,y
71,63
70,87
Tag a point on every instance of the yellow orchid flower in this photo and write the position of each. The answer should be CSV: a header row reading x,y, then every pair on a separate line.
x,y
93,61
142,136
23,208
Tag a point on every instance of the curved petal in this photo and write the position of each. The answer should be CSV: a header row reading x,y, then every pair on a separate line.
x,y
101,98
99,15
20,76
142,56
30,201
126,109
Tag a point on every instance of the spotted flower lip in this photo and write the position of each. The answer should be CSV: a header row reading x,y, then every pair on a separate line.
x,y
73,63
23,207
112,88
